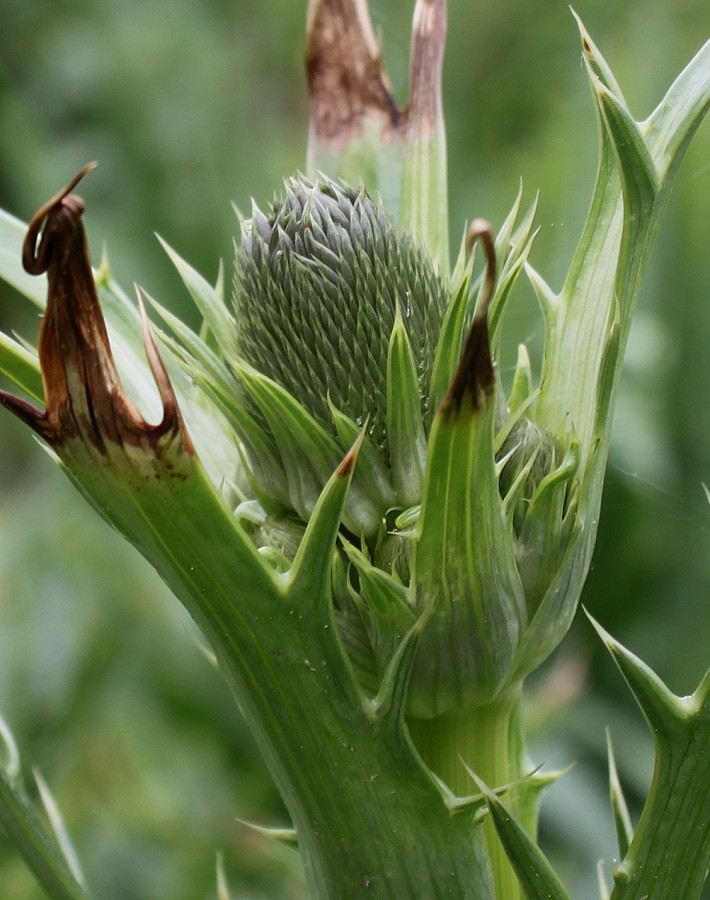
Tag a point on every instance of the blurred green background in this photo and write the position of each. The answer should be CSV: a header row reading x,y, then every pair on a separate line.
x,y
189,105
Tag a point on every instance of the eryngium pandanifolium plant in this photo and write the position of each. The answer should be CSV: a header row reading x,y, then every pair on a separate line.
x,y
378,540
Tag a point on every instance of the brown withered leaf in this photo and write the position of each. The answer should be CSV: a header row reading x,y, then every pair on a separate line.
x,y
84,398
348,85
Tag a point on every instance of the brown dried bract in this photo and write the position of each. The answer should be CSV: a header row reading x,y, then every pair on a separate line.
x,y
347,82
474,380
83,395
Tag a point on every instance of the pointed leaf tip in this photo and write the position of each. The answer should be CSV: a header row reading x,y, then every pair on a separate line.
x,y
538,880
83,395
172,420
620,810
44,226
662,709
347,464
474,380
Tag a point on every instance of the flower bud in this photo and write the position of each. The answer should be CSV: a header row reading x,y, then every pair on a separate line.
x,y
318,281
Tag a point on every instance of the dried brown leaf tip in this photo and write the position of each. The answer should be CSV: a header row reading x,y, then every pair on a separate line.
x,y
347,464
474,381
348,86
84,398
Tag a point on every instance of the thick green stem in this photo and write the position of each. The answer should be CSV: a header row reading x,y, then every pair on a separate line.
x,y
371,821
368,821
489,741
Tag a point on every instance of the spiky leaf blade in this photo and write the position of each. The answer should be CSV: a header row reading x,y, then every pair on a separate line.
x,y
622,819
405,428
538,880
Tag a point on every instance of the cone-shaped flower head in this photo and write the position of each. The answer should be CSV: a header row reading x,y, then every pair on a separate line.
x,y
319,280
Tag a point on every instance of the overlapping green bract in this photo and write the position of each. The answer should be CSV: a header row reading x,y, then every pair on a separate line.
x,y
340,318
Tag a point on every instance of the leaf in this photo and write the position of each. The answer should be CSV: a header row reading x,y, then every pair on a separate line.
x,y
538,880
372,475
211,375
59,829
622,819
522,387
309,576
669,854
21,367
12,234
44,855
221,323
285,836
384,607
640,181
448,348
663,711
670,127
222,886
308,453
405,429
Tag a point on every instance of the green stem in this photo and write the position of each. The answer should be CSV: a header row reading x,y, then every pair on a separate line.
x,y
489,741
371,821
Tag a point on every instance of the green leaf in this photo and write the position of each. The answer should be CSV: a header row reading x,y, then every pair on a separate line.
x,y
622,819
384,606
670,127
448,348
669,854
513,250
601,880
59,829
222,886
405,429
12,234
538,880
598,66
663,711
309,576
285,836
41,851
308,454
221,323
372,475
211,375
639,178
522,386
21,367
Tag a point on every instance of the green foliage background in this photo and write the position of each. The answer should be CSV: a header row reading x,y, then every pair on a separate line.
x,y
188,105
